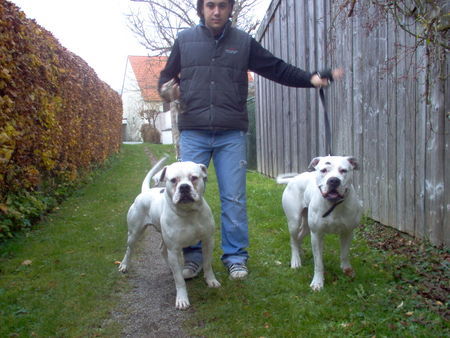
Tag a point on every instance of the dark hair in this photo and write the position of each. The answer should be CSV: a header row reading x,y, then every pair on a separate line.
x,y
200,6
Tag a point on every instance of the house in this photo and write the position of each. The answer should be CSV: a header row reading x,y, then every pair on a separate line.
x,y
140,94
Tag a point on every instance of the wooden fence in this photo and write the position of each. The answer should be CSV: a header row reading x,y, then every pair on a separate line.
x,y
386,111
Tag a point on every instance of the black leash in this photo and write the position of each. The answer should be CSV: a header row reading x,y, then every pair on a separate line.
x,y
327,142
327,122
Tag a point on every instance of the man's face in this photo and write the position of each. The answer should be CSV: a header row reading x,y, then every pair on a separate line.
x,y
216,13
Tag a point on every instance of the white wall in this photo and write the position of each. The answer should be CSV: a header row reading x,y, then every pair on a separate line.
x,y
133,104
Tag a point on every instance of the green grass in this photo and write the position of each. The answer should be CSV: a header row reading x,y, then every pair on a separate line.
x,y
276,301
69,288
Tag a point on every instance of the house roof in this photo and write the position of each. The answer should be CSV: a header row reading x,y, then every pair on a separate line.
x,y
146,70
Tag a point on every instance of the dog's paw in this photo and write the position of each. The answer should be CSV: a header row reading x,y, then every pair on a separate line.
x,y
123,268
296,262
182,303
213,283
316,285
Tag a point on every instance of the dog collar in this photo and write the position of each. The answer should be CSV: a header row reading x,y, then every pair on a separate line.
x,y
335,204
332,207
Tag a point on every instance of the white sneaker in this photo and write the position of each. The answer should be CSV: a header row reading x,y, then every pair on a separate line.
x,y
238,271
191,270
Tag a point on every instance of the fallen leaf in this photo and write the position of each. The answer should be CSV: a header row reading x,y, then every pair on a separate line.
x,y
3,208
409,314
117,262
27,262
346,325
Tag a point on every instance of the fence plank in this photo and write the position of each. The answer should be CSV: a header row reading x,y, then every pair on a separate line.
x,y
311,101
359,68
420,127
303,109
293,112
446,129
401,134
284,110
392,124
434,183
382,137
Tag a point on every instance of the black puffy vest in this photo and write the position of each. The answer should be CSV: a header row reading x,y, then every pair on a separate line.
x,y
213,79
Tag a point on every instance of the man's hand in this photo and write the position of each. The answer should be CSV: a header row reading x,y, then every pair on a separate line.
x,y
170,91
319,80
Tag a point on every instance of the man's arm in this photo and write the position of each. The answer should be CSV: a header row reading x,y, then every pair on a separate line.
x,y
264,63
173,66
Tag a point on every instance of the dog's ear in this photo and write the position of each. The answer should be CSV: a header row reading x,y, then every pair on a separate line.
x,y
161,177
314,162
353,161
204,170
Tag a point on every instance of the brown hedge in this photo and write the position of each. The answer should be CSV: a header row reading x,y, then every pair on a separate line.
x,y
57,118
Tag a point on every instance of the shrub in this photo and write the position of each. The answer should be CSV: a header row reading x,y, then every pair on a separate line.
x,y
150,134
57,118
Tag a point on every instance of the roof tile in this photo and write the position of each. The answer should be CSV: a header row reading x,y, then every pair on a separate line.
x,y
147,70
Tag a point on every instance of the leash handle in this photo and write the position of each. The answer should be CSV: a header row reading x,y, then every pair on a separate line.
x,y
327,122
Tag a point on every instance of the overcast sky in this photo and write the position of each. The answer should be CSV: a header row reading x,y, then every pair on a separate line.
x,y
95,30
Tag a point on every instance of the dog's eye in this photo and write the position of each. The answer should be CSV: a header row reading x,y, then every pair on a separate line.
x,y
323,171
173,180
194,178
343,171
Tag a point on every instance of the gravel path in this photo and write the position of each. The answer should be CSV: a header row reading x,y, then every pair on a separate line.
x,y
148,310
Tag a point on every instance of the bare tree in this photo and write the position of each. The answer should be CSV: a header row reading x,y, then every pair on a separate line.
x,y
149,131
427,21
150,116
156,23
431,18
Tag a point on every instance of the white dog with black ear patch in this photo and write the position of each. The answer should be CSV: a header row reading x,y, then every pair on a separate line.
x,y
318,202
181,214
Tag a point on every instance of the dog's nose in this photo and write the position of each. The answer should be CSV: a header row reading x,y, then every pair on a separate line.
x,y
334,182
185,188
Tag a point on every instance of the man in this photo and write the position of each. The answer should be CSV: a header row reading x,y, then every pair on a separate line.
x,y
210,62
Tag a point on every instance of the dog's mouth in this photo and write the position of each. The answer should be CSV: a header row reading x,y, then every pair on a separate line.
x,y
332,195
186,198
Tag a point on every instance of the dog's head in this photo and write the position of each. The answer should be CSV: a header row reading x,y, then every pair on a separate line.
x,y
334,175
184,181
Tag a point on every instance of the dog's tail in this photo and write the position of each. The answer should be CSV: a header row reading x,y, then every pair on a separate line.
x,y
285,178
157,167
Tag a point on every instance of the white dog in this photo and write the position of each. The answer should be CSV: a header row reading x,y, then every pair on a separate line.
x,y
322,201
181,214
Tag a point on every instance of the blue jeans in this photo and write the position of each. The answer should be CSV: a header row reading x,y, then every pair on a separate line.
x,y
228,151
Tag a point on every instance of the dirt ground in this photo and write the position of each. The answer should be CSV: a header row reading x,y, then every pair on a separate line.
x,y
148,310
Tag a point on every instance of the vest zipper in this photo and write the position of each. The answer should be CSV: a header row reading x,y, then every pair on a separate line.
x,y
211,86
